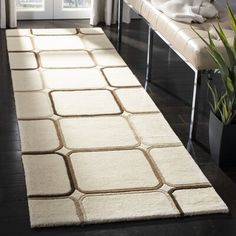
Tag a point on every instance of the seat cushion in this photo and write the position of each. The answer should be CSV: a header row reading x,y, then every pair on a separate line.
x,y
182,38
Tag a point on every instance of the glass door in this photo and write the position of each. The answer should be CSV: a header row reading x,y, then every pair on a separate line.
x,y
72,9
53,9
34,9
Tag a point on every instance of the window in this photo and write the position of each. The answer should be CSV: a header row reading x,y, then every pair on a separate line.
x,y
69,9
53,9
30,5
71,4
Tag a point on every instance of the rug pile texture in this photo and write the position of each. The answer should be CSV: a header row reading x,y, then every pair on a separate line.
x,y
95,147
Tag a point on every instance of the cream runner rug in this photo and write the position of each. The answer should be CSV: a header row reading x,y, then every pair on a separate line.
x,y
95,147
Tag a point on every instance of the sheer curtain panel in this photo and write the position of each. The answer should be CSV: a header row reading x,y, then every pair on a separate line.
x,y
8,14
106,11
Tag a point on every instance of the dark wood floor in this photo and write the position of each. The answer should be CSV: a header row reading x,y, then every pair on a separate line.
x,y
171,89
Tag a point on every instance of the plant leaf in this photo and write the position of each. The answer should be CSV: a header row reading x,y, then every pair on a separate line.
x,y
229,49
230,84
231,16
218,57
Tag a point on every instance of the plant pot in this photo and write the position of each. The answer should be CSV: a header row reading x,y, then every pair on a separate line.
x,y
222,140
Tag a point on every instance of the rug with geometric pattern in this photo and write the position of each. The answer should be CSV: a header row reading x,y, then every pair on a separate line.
x,y
95,147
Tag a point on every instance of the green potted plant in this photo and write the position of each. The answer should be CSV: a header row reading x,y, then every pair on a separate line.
x,y
222,121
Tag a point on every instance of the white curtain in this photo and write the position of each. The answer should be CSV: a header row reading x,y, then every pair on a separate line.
x,y
106,11
8,14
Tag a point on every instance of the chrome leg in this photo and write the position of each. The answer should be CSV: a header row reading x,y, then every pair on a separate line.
x,y
120,18
149,54
194,112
